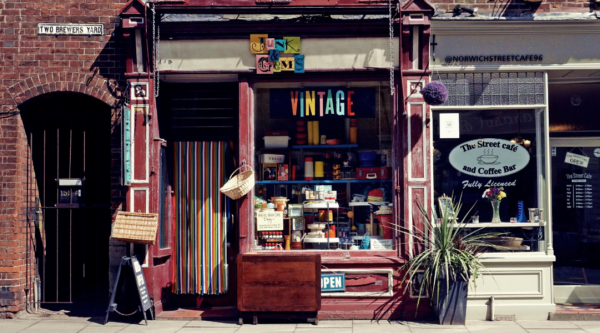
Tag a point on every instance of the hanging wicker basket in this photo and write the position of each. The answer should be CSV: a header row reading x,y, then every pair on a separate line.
x,y
137,228
237,186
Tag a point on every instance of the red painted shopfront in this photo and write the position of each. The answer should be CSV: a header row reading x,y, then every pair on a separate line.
x,y
181,50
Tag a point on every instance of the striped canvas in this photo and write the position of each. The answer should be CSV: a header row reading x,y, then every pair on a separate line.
x,y
200,260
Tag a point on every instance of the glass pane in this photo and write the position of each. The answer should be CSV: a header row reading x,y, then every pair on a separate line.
x,y
509,148
336,162
576,227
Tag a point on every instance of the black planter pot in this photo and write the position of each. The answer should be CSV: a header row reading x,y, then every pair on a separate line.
x,y
451,307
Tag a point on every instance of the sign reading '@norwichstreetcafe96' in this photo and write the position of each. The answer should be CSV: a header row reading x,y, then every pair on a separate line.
x,y
489,157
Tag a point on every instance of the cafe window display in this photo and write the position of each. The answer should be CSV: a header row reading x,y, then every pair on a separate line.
x,y
324,166
494,160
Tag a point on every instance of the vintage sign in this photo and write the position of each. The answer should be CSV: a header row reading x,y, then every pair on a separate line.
x,y
494,58
333,282
489,157
266,221
72,29
325,102
576,159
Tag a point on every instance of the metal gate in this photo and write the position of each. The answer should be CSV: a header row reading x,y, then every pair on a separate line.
x,y
71,158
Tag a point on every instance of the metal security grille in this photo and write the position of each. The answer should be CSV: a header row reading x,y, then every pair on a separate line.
x,y
474,89
204,112
71,148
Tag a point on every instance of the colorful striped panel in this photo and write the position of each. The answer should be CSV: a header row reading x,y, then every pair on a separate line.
x,y
200,257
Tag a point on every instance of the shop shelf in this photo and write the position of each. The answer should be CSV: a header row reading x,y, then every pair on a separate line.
x,y
351,181
502,225
359,204
334,205
324,146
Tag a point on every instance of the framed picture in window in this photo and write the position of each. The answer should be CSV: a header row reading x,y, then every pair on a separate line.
x,y
446,209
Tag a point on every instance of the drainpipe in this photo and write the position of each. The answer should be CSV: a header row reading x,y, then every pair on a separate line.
x,y
492,307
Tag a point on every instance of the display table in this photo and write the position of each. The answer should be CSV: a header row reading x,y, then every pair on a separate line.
x,y
279,285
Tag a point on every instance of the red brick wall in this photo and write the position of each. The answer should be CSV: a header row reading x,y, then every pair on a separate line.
x,y
32,65
516,6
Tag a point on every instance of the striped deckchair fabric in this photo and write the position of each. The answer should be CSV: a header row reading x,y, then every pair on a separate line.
x,y
199,210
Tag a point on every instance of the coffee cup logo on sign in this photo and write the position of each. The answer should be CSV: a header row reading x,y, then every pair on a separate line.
x,y
489,157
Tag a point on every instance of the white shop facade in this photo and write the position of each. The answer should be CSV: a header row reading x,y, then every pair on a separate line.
x,y
523,94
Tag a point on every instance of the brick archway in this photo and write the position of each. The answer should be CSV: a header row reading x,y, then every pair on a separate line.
x,y
40,84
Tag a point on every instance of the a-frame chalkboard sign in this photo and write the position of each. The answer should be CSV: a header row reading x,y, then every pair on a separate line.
x,y
133,264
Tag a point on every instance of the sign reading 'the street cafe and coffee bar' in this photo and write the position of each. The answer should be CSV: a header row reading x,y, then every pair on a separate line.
x,y
489,157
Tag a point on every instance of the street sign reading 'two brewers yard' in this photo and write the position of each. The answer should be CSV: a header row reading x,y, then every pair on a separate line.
x,y
71,29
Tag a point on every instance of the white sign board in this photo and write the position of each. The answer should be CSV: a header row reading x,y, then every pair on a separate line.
x,y
71,29
266,221
578,160
449,126
489,157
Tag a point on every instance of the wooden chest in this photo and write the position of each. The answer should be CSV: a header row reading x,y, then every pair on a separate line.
x,y
279,282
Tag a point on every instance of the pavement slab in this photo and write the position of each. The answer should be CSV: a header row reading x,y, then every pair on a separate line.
x,y
494,327
383,328
328,323
15,325
456,329
270,328
318,329
208,330
539,324
213,323
58,326
155,327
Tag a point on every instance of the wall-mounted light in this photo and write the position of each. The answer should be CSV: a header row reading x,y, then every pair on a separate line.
x,y
460,9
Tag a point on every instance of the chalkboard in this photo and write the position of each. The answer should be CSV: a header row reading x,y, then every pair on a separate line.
x,y
132,264
140,281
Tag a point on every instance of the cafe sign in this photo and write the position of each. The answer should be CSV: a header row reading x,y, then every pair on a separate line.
x,y
266,221
489,157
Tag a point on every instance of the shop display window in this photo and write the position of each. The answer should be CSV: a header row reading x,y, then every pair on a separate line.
x,y
323,162
475,151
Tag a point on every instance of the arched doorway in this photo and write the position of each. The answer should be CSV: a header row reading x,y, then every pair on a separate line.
x,y
69,136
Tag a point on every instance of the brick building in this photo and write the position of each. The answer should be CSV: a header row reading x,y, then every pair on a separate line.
x,y
46,83
47,71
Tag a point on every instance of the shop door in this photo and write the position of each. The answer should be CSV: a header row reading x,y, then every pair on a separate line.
x,y
69,138
576,219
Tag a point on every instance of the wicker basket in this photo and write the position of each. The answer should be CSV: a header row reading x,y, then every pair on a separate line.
x,y
137,228
237,186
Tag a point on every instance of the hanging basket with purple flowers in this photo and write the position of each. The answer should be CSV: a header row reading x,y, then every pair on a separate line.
x,y
435,93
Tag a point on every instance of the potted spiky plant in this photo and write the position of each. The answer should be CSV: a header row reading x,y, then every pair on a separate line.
x,y
448,258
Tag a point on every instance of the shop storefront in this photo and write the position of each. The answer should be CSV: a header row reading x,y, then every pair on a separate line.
x,y
514,119
342,151
318,117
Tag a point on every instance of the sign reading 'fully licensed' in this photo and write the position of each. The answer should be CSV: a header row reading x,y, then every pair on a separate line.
x,y
489,157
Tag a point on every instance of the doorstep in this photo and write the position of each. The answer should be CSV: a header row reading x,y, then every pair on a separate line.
x,y
199,313
576,312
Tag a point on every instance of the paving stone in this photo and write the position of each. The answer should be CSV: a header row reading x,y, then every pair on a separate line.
x,y
15,325
532,324
328,323
318,329
155,326
208,330
270,328
384,328
213,323
494,327
58,326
